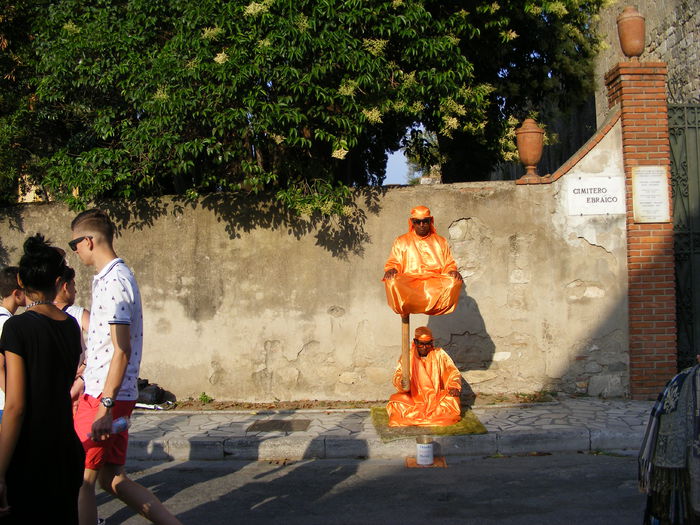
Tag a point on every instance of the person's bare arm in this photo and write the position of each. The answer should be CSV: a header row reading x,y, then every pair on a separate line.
x,y
85,320
84,326
121,339
78,386
11,419
2,372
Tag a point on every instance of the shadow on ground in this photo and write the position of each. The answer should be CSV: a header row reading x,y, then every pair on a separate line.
x,y
286,488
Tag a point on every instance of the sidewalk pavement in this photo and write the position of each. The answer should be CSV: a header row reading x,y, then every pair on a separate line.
x,y
566,425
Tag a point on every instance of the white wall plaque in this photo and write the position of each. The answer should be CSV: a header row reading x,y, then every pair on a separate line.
x,y
650,194
596,195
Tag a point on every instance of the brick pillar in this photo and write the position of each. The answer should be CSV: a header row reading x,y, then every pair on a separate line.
x,y
640,90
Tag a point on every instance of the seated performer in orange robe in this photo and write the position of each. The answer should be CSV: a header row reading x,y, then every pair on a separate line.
x,y
421,275
435,387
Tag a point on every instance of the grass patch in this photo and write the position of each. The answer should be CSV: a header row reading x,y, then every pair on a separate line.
x,y
204,398
469,424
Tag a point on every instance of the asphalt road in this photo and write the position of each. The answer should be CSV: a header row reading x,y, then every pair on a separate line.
x,y
566,489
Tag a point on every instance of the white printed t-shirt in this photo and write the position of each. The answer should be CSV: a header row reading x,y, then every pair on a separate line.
x,y
115,300
76,312
4,316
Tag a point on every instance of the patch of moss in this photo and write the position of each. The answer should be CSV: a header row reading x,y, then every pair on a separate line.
x,y
469,424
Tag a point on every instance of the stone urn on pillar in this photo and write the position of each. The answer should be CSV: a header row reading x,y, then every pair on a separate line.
x,y
631,29
530,139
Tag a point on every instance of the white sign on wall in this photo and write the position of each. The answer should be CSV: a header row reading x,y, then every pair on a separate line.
x,y
650,194
596,195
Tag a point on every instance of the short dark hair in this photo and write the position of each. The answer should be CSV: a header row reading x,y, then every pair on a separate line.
x,y
8,281
96,221
67,276
40,266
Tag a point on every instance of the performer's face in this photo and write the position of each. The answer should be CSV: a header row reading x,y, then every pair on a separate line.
x,y
421,226
423,347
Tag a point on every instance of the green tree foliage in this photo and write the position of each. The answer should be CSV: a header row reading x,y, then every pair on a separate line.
x,y
539,63
127,98
17,101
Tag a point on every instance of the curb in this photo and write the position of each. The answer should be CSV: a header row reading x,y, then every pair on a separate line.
x,y
263,412
370,446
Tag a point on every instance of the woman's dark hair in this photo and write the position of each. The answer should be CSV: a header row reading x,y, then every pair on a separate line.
x,y
40,266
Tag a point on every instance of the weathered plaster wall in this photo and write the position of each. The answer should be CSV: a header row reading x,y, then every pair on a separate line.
x,y
672,36
271,313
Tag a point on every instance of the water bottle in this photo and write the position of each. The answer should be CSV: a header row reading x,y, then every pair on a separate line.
x,y
118,425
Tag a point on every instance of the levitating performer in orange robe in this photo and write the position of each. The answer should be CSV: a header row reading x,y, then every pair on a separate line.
x,y
435,387
420,275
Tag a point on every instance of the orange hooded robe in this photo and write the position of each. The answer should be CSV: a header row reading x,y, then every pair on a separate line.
x,y
421,285
429,402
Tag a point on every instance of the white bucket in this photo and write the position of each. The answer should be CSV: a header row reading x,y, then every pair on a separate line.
x,y
424,450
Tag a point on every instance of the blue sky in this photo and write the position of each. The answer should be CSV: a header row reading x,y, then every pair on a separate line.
x,y
396,169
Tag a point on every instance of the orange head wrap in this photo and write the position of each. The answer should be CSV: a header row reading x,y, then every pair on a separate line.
x,y
423,333
421,212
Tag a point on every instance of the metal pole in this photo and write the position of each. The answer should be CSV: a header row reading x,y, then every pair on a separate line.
x,y
405,357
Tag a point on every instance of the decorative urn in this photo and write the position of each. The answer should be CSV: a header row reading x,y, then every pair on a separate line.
x,y
530,138
630,29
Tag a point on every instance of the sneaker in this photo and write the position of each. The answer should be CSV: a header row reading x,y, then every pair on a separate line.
x,y
101,521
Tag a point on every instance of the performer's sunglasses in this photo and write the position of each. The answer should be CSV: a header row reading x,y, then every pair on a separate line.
x,y
423,343
75,242
419,221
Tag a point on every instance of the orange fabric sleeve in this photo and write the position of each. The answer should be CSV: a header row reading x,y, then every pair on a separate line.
x,y
451,378
449,263
395,257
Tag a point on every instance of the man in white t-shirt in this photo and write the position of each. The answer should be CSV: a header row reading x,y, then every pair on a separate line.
x,y
113,357
11,298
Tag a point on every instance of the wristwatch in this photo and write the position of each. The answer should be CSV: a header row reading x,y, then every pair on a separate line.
x,y
107,402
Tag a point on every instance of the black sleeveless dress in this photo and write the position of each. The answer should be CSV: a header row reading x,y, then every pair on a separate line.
x,y
46,469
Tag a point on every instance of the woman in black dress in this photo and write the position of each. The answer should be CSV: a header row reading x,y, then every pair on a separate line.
x,y
41,458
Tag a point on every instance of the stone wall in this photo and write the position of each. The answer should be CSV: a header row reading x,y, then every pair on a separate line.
x,y
256,307
672,36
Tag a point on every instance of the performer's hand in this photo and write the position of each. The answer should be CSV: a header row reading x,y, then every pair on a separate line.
x,y
454,392
456,275
390,274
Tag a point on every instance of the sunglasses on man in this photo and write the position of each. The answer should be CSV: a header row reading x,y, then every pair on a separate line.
x,y
420,221
75,242
423,343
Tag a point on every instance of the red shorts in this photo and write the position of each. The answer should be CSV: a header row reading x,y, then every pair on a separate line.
x,y
112,450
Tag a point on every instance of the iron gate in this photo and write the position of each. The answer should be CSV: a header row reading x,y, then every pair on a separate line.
x,y
684,136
